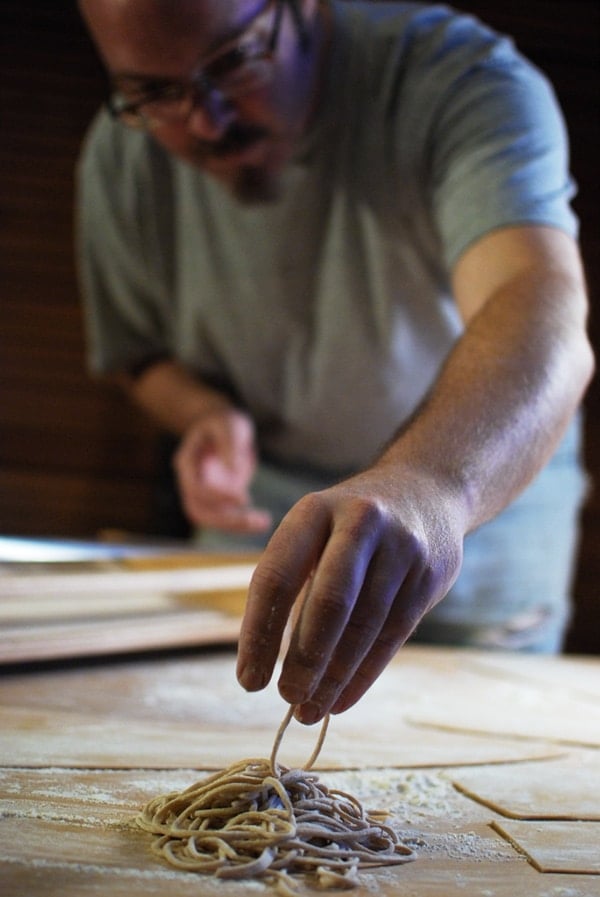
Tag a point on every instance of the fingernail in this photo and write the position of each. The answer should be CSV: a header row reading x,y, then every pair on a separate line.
x,y
343,704
293,694
309,713
251,678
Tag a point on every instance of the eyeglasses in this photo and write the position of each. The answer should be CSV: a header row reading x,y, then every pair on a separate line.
x,y
234,70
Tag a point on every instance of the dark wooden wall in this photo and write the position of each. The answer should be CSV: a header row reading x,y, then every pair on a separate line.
x,y
75,458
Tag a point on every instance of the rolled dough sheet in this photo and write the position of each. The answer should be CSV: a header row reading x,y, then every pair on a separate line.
x,y
90,857
192,712
555,789
39,738
508,706
564,673
569,847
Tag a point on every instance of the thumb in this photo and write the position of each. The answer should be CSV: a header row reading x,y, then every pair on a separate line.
x,y
228,460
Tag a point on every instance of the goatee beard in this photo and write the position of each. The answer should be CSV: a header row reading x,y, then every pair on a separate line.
x,y
253,185
250,184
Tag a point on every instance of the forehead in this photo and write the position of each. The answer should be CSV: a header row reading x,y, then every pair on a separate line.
x,y
150,36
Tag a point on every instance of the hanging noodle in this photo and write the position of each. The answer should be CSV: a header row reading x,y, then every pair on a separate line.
x,y
259,819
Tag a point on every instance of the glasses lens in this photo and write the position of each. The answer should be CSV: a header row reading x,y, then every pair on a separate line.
x,y
226,64
169,103
237,70
165,108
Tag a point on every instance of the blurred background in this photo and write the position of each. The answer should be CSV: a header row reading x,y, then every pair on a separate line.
x,y
76,459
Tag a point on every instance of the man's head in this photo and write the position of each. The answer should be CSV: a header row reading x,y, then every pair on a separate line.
x,y
226,85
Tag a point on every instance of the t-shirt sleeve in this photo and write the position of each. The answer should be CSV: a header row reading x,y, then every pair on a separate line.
x,y
500,154
122,250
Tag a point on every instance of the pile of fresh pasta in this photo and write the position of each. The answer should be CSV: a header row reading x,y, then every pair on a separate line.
x,y
257,819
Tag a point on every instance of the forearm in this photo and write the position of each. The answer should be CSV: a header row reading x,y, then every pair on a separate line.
x,y
370,556
504,397
172,396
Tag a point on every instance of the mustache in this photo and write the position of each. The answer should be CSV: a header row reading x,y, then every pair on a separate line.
x,y
237,138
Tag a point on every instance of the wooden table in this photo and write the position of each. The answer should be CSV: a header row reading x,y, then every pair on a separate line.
x,y
489,763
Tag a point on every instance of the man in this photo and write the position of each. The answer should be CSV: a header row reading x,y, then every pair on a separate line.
x,y
329,245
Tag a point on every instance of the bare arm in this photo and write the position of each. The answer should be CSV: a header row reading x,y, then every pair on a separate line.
x,y
512,384
376,552
172,396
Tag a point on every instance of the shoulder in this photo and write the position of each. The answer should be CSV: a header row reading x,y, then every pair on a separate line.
x,y
126,181
412,50
118,155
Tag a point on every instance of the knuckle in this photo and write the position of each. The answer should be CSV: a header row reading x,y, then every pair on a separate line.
x,y
362,631
334,603
438,567
366,515
333,681
389,642
257,641
416,545
309,506
330,687
270,579
369,509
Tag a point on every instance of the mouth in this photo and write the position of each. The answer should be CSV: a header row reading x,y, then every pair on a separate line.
x,y
245,159
237,142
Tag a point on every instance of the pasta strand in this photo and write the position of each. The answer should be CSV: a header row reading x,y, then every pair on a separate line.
x,y
259,819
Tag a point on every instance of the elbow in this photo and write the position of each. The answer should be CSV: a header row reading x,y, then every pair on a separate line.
x,y
576,372
584,352
580,351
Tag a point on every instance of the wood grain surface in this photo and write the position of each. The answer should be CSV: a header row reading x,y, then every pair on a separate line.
x,y
130,605
454,743
83,748
167,713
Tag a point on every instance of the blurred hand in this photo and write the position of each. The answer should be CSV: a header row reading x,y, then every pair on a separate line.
x,y
215,464
370,557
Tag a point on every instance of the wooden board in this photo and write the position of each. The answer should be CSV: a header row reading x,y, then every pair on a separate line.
x,y
70,833
144,603
117,635
66,832
187,579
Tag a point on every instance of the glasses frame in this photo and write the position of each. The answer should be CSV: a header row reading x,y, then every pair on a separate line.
x,y
201,87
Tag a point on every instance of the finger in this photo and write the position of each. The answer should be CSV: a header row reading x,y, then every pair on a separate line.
x,y
337,584
217,478
237,520
218,457
240,451
205,477
217,513
285,565
218,505
425,585
382,583
407,611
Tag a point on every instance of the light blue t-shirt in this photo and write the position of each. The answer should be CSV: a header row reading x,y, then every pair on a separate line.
x,y
328,313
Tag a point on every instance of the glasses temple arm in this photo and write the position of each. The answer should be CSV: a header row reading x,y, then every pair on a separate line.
x,y
299,22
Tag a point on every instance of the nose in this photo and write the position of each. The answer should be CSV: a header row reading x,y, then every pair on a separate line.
x,y
210,117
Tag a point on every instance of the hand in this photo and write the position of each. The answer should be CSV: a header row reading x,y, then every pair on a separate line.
x,y
371,556
214,464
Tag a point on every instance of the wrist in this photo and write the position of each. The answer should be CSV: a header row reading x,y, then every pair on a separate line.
x,y
439,483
